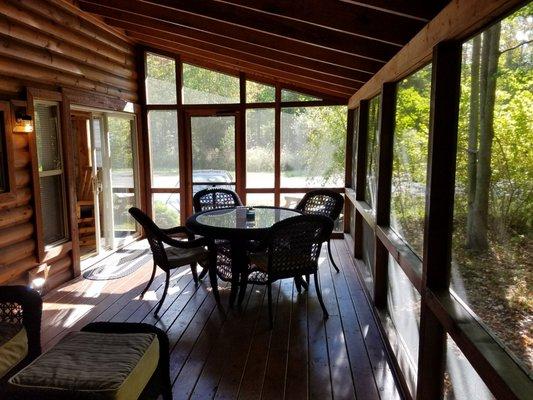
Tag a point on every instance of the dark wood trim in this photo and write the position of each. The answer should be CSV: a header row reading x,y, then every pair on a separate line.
x,y
402,254
383,195
505,378
95,100
442,147
70,182
457,21
348,167
384,162
35,181
277,146
204,18
352,19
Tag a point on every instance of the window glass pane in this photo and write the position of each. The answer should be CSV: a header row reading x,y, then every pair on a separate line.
x,y
403,316
372,150
164,149
461,381
260,199
213,152
410,153
291,95
121,153
290,200
203,86
313,141
47,136
160,80
53,210
166,209
354,145
493,211
260,148
259,92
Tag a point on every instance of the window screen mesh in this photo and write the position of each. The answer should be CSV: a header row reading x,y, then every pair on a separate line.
x,y
47,134
53,208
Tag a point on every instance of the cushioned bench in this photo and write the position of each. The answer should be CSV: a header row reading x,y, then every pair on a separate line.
x,y
105,361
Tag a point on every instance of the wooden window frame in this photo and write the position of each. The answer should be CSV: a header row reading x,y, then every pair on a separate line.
x,y
8,152
185,110
442,313
48,253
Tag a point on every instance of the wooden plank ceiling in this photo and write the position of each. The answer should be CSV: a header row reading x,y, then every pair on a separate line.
x,y
326,46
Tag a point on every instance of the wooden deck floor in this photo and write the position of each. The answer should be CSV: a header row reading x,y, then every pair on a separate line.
x,y
235,355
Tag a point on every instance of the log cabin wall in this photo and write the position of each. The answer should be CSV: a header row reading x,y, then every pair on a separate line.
x,y
51,47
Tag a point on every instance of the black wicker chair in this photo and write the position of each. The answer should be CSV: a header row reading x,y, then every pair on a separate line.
x,y
291,250
21,306
179,254
213,198
323,202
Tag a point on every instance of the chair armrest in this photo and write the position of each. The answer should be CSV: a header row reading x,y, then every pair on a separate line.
x,y
32,307
200,242
177,230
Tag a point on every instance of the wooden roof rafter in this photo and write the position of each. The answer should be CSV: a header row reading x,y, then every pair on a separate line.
x,y
324,46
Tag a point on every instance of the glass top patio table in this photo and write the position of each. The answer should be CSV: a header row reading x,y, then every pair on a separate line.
x,y
230,223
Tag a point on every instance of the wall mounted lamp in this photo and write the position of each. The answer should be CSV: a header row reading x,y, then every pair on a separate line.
x,y
23,122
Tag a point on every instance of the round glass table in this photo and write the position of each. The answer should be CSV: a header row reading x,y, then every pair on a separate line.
x,y
234,225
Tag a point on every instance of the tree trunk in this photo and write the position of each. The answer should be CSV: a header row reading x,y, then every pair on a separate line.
x,y
473,129
489,68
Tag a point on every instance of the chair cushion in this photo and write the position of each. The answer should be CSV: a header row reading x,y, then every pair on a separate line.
x,y
178,257
13,346
91,365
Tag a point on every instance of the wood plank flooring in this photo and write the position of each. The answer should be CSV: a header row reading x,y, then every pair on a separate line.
x,y
231,354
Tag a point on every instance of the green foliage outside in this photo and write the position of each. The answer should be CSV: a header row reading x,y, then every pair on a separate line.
x,y
203,86
410,152
372,149
492,242
166,216
313,144
259,93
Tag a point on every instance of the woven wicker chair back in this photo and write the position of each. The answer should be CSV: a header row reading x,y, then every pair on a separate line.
x,y
322,202
294,245
213,198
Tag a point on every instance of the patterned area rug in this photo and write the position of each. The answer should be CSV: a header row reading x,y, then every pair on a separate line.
x,y
119,264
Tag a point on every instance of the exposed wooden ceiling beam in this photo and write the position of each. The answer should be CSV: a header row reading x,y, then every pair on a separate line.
x,y
335,15
423,10
208,42
157,40
202,57
272,25
456,21
208,25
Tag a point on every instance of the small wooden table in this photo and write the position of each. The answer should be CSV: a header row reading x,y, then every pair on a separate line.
x,y
232,225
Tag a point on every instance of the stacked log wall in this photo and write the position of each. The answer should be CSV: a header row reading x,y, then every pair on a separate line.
x,y
50,44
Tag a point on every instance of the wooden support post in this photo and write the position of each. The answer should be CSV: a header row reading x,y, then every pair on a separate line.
x,y
348,166
384,174
445,95
277,147
360,174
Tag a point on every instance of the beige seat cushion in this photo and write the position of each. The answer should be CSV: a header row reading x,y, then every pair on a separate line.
x,y
91,365
13,346
178,257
